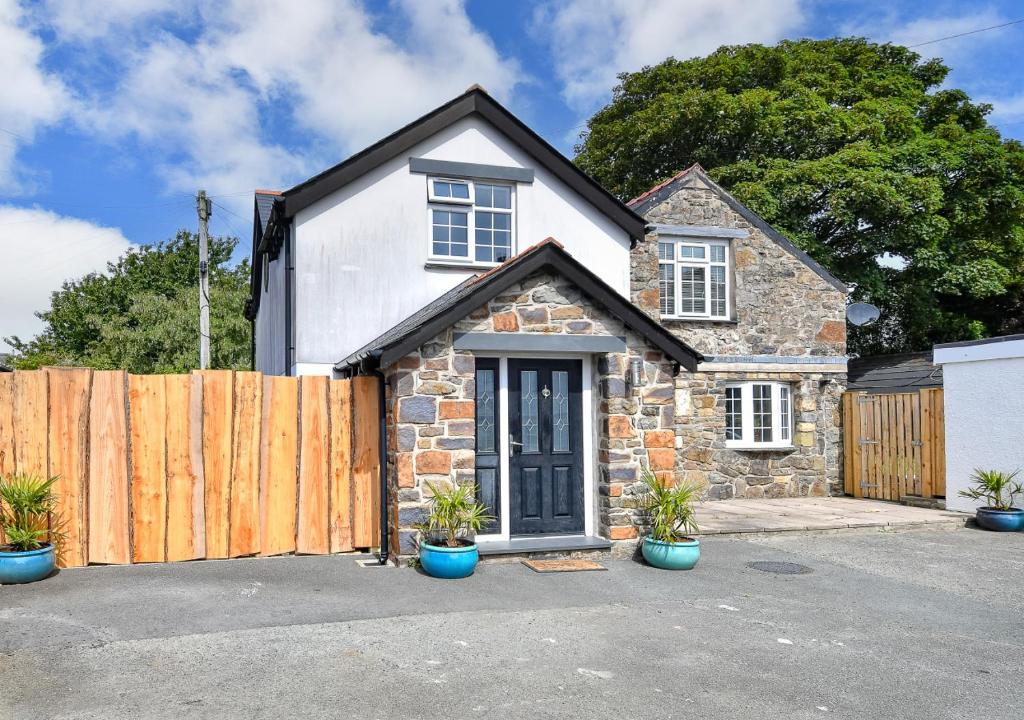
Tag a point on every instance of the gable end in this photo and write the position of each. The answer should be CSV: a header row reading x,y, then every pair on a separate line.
x,y
659,193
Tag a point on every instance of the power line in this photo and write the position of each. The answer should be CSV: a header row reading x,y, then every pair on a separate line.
x,y
969,32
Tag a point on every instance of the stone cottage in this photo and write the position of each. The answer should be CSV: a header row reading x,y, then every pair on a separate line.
x,y
677,334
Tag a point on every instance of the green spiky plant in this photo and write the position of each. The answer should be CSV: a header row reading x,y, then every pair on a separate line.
x,y
29,515
669,509
995,487
454,515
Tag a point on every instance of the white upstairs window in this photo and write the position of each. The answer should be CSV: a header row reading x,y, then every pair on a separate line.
x,y
471,222
758,415
694,279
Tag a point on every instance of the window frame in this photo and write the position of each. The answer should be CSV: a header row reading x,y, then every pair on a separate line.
x,y
470,209
782,431
678,261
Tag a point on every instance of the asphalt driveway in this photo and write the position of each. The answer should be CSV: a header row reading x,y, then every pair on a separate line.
x,y
924,623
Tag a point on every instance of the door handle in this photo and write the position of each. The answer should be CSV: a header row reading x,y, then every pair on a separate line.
x,y
513,443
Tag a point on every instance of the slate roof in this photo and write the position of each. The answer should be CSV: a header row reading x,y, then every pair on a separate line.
x,y
905,372
473,292
659,193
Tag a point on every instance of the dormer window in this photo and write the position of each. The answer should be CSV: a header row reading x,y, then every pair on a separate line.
x,y
470,222
693,278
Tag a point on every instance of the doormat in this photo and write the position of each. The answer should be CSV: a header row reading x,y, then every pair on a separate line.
x,y
550,566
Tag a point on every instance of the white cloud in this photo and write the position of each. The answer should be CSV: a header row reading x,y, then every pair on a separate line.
x,y
30,97
41,250
83,20
927,29
591,47
212,102
1006,110
959,53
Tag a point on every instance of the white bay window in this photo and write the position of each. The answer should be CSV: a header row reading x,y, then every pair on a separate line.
x,y
693,278
470,221
758,415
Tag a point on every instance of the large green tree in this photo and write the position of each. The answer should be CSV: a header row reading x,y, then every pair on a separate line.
x,y
857,153
143,313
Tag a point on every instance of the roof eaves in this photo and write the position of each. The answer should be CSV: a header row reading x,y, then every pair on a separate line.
x,y
480,289
473,101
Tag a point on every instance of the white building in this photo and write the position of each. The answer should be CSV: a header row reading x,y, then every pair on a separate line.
x,y
984,408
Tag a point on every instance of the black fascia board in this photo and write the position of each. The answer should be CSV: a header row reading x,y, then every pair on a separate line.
x,y
559,260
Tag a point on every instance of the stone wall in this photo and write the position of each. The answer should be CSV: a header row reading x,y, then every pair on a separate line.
x,y
432,392
810,467
431,434
780,305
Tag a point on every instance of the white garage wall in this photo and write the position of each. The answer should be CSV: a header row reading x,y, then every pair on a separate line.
x,y
984,409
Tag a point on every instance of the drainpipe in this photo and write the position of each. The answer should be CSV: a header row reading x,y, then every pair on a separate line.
x,y
381,399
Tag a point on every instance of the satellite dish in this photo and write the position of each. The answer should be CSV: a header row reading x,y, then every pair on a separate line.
x,y
862,313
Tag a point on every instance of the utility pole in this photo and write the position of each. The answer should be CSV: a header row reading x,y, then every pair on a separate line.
x,y
205,208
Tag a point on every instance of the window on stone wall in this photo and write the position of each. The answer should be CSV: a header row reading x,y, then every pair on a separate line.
x,y
758,415
694,278
470,222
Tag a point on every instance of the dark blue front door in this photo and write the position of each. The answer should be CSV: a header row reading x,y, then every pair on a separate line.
x,y
546,446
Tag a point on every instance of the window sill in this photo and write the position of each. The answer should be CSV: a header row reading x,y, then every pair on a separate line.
x,y
761,448
717,321
455,265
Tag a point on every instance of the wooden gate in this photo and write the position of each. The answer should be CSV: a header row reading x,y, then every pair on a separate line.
x,y
894,444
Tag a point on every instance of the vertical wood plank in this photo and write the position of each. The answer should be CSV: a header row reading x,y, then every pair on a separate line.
x,y
856,449
939,417
340,409
908,440
108,469
927,440
278,465
69,452
876,448
899,436
30,413
883,489
6,428
7,463
312,535
186,520
218,400
883,446
890,447
366,464
848,443
147,412
245,466
915,432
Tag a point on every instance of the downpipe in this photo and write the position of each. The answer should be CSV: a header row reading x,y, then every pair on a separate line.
x,y
383,463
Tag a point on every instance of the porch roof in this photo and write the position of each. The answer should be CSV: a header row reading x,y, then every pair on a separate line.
x,y
473,292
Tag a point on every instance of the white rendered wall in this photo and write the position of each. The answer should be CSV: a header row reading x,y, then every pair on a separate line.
x,y
360,253
984,409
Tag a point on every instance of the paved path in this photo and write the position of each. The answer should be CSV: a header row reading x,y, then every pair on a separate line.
x,y
917,624
795,514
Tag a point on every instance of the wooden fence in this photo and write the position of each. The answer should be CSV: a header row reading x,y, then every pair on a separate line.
x,y
894,444
216,464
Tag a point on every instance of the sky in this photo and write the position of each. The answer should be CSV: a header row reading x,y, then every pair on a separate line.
x,y
114,112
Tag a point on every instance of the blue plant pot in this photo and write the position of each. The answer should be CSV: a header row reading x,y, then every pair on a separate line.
x,y
671,555
448,563
18,567
1011,520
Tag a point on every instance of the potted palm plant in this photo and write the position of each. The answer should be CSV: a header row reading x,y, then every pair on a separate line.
x,y
997,490
28,518
446,547
669,511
